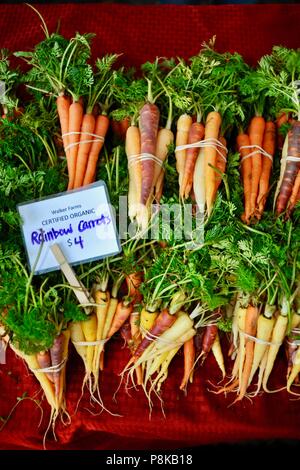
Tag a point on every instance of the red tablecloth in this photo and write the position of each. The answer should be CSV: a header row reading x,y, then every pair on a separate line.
x,y
201,417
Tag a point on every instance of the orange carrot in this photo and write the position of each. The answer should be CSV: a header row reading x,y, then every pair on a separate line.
x,y
250,329
196,134
133,281
101,127
256,134
75,120
268,145
212,129
87,128
295,194
63,105
246,169
291,169
124,124
281,119
182,134
122,313
189,359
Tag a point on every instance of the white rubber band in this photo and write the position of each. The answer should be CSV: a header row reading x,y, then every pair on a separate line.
x,y
260,341
133,159
135,314
98,138
74,144
289,158
152,337
211,142
51,369
259,150
90,343
296,342
86,133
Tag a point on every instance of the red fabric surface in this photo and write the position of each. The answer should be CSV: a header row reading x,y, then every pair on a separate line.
x,y
201,417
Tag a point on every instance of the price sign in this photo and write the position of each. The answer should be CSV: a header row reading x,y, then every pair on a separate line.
x,y
81,222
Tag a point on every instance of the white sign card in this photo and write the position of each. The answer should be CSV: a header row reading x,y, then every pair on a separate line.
x,y
81,222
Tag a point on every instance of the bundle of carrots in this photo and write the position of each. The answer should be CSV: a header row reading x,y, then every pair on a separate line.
x,y
82,97
257,148
83,135
147,147
49,368
108,316
199,152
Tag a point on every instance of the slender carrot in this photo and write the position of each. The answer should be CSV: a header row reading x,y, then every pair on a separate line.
x,y
281,119
149,120
183,126
133,281
269,145
165,137
199,181
278,335
63,104
87,128
217,352
208,340
133,150
196,134
56,353
256,134
89,328
123,312
102,299
44,360
75,120
61,397
189,359
292,168
250,329
101,127
295,196
265,325
212,130
246,169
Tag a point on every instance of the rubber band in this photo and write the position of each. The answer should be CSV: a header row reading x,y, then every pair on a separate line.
x,y
98,138
260,341
133,159
290,158
99,342
152,337
135,314
51,369
295,342
86,133
211,142
259,150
